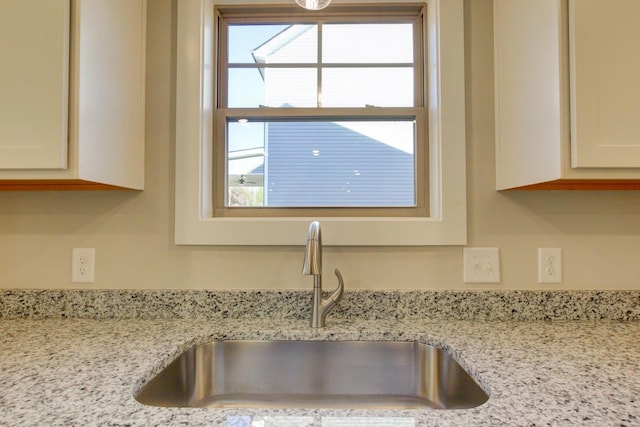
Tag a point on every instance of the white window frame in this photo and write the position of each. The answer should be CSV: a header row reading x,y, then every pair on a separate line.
x,y
194,223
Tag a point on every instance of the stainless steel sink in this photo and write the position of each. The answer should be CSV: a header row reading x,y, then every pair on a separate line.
x,y
313,374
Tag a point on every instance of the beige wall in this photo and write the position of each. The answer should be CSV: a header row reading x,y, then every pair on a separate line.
x,y
133,231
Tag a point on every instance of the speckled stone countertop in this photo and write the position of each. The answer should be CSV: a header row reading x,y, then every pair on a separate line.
x,y
84,371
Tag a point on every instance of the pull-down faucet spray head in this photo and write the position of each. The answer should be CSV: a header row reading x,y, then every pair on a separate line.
x,y
313,253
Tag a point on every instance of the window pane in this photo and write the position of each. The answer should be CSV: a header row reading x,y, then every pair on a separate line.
x,y
246,88
246,196
367,43
245,163
295,44
321,163
244,135
287,87
357,87
273,87
246,171
245,39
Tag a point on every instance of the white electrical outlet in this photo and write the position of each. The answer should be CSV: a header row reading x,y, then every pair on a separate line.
x,y
83,265
549,265
481,265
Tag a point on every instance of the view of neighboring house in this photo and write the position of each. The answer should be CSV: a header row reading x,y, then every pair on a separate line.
x,y
325,163
305,167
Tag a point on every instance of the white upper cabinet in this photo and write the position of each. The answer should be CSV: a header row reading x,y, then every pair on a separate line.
x,y
77,121
567,94
604,38
34,83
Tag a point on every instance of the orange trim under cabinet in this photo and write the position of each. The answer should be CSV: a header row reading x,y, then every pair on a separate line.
x,y
584,184
55,185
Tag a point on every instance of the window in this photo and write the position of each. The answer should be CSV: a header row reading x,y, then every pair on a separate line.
x,y
320,110
366,187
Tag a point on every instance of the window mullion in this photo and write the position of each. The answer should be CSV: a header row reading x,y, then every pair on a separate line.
x,y
319,65
343,113
221,76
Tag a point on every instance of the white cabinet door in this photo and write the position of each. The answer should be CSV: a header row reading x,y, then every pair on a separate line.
x,y
528,98
34,81
108,116
604,37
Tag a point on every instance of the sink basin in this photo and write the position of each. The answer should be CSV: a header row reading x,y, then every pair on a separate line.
x,y
313,374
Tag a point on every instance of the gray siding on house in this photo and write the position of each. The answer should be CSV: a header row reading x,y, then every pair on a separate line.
x,y
350,170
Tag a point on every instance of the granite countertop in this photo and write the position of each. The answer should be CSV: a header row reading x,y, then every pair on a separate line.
x,y
84,371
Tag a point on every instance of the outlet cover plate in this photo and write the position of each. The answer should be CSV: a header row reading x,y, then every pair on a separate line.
x,y
549,265
481,265
83,266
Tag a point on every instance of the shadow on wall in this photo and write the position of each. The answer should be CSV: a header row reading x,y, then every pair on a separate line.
x,y
62,212
571,212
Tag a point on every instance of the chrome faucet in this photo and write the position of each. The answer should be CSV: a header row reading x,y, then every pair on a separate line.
x,y
313,267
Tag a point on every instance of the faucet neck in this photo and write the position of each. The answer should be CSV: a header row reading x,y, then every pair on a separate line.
x,y
313,266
